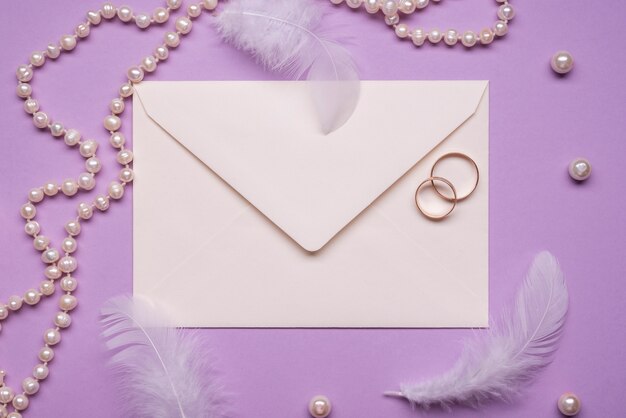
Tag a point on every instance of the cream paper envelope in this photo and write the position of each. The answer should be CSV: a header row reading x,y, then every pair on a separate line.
x,y
246,215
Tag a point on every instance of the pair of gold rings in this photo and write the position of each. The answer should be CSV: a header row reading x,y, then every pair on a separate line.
x,y
453,198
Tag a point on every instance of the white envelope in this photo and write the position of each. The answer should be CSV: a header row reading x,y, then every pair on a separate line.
x,y
246,215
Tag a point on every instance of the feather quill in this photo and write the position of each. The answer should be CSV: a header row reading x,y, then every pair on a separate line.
x,y
286,36
495,365
163,372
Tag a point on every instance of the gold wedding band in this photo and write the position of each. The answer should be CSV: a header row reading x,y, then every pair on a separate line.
x,y
435,217
452,155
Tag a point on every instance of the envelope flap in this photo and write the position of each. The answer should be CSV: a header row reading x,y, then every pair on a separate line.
x,y
265,143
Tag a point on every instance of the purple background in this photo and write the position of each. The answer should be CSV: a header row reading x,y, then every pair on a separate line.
x,y
539,123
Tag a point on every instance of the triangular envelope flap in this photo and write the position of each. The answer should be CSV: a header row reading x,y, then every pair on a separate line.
x,y
262,138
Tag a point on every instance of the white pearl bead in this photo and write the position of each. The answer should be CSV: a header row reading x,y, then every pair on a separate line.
x,y
108,11
194,10
30,386
116,190
46,354
50,188
112,123
125,13
68,302
82,30
161,15
40,119
501,28
407,6
372,6
435,36
126,90
4,312
53,51
14,415
32,297
389,7
418,36
14,303
102,203
451,37
50,256
142,21
24,90
37,58
117,140
209,4
486,36
57,129
46,288
68,42
117,106
69,187
67,264
24,73
174,4
32,228
135,74
172,39
354,4
402,31
422,4
125,156
469,39
28,211
52,272
52,336
6,394
126,175
69,245
580,169
20,402
62,320
93,165
72,228
40,371
149,64
41,242
569,404
84,210
35,195
183,25
31,106
562,62
506,12
94,17
69,284
72,137
320,407
162,53
86,181
392,20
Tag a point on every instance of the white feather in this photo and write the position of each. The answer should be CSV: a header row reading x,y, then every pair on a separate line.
x,y
286,36
163,372
496,365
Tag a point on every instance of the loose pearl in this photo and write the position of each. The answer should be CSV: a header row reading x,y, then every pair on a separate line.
x,y
32,228
32,297
14,303
108,11
86,181
24,90
52,336
125,157
20,402
422,3
402,31
451,37
117,106
94,17
84,211
4,312
506,12
40,119
125,13
53,51
57,129
469,39
112,123
209,4
174,4
562,62
435,36
67,264
117,140
142,21
50,256
486,36
35,195
30,386
41,242
372,6
62,320
73,228
161,53
501,28
389,7
569,404
172,39
52,272
24,73
183,25
68,302
161,15
6,394
93,165
126,175
149,64
580,169
135,74
194,10
102,203
418,36
126,90
69,245
354,4
69,187
46,288
69,284
68,42
40,371
72,137
31,106
46,354
28,211
82,30
320,407
37,58
50,188
116,190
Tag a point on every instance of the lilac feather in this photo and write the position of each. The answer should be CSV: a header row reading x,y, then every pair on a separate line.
x,y
497,363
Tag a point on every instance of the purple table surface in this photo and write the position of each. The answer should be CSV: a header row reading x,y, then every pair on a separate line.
x,y
539,123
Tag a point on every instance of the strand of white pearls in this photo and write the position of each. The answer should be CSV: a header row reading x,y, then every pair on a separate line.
x,y
60,267
392,9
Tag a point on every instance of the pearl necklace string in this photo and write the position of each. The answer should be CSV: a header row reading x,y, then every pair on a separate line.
x,y
61,266
391,9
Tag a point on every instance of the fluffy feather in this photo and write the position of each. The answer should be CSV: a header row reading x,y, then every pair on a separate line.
x,y
495,365
286,36
163,372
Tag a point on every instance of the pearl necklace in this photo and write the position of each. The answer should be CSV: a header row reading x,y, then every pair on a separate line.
x,y
390,9
60,267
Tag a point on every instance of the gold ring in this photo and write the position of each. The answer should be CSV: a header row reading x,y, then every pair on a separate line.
x,y
451,155
435,217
